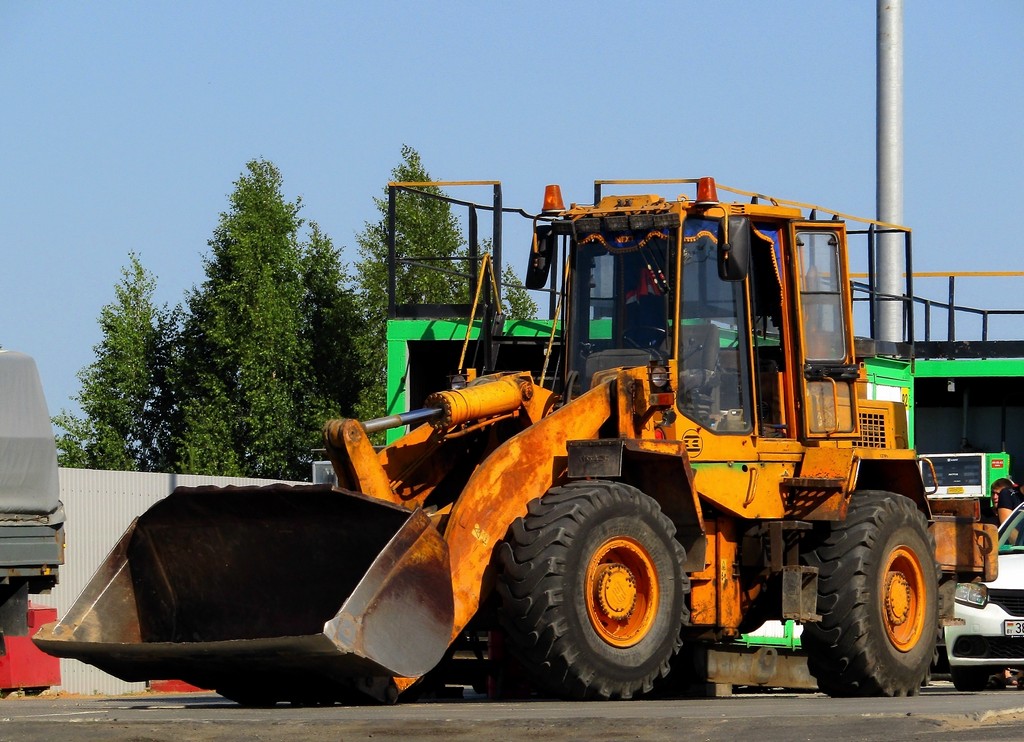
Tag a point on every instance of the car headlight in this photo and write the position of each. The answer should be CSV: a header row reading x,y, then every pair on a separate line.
x,y
971,593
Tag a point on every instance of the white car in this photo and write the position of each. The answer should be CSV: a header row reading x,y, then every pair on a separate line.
x,y
991,638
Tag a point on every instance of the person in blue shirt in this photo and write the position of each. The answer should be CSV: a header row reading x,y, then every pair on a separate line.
x,y
1006,496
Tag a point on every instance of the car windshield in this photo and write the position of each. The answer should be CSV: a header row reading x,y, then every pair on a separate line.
x,y
1011,533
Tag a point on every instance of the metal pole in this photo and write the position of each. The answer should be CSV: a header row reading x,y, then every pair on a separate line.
x,y
474,252
872,297
908,257
496,242
392,250
889,162
556,260
951,316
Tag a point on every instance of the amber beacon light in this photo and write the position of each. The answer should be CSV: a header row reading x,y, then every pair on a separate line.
x,y
553,199
707,192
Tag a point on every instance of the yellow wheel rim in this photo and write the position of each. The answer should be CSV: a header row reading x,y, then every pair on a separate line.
x,y
904,597
621,590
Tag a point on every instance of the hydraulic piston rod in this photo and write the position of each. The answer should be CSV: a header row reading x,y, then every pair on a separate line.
x,y
403,418
455,407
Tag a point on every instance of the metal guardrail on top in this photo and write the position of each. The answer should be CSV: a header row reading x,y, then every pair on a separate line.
x,y
874,231
950,307
429,262
472,258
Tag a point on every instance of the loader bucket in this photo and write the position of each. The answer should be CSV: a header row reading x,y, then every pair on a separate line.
x,y
217,586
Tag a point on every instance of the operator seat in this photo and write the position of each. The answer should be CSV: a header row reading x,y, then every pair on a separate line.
x,y
698,369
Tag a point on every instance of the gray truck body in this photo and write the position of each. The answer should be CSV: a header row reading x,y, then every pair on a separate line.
x,y
31,514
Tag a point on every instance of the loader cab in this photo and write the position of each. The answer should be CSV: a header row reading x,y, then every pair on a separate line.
x,y
714,370
621,297
630,281
829,369
761,336
770,355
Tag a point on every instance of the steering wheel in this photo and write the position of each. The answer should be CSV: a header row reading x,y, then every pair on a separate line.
x,y
644,337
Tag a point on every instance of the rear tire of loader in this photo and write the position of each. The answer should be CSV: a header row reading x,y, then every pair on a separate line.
x,y
877,596
592,590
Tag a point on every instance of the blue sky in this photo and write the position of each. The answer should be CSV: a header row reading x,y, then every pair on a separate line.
x,y
125,124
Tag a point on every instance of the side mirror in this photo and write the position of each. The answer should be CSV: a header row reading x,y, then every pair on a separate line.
x,y
734,252
543,250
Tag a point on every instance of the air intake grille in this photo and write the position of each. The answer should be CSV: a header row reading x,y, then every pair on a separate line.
x,y
989,647
1011,601
872,430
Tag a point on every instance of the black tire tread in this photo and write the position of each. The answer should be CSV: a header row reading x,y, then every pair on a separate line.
x,y
532,562
841,652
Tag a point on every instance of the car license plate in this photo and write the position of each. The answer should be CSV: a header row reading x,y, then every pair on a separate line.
x,y
1013,628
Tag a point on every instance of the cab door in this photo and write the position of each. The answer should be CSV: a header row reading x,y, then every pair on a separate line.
x,y
824,321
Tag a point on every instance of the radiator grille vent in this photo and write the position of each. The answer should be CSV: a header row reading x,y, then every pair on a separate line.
x,y
872,430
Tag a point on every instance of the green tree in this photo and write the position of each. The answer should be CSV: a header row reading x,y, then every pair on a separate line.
x,y
516,299
426,228
330,318
263,360
241,380
125,400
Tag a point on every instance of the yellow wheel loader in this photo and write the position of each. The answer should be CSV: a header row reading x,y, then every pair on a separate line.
x,y
706,460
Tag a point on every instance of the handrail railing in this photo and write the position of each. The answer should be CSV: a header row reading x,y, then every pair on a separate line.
x,y
872,230
950,307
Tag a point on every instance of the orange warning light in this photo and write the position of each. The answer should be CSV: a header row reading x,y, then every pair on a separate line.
x,y
553,199
707,193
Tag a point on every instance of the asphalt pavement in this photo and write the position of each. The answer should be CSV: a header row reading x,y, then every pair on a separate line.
x,y
938,713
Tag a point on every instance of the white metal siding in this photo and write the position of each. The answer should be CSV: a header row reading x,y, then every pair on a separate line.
x,y
100,505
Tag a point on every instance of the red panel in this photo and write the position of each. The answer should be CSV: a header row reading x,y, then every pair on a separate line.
x,y
172,686
25,665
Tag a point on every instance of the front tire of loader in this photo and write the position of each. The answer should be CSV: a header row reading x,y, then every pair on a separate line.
x,y
592,590
877,596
